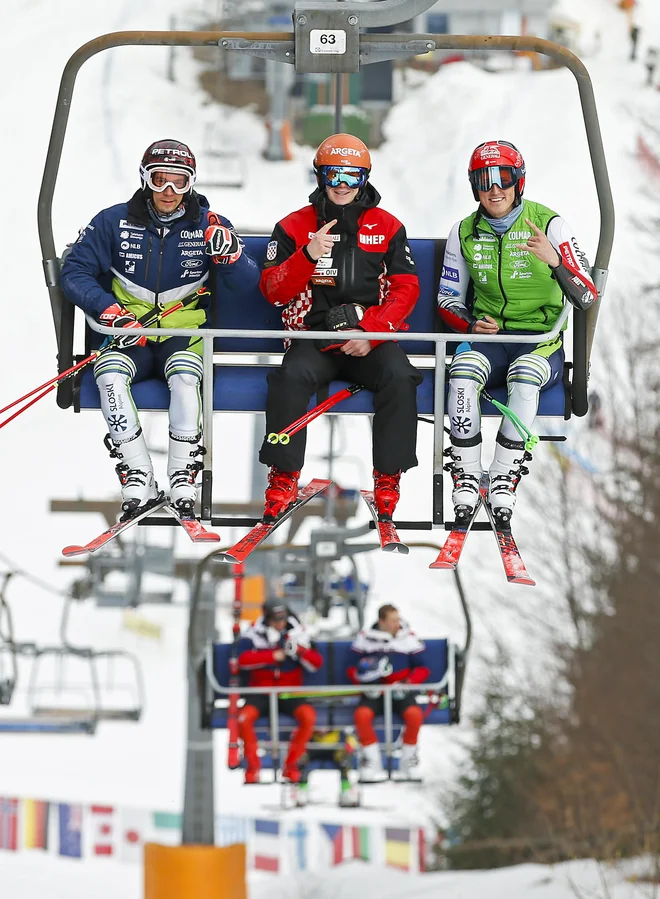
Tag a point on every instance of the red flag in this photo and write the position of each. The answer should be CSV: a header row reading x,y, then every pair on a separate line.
x,y
103,829
8,823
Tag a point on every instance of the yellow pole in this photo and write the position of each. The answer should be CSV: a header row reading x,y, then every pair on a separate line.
x,y
194,872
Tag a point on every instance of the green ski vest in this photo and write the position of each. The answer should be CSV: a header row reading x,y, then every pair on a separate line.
x,y
510,283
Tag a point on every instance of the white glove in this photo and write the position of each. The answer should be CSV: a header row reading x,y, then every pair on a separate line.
x,y
373,694
382,669
291,648
399,694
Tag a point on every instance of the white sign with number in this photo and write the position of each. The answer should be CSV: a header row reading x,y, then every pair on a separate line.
x,y
323,40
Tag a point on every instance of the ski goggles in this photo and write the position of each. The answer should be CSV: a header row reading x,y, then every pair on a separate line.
x,y
160,179
504,176
334,175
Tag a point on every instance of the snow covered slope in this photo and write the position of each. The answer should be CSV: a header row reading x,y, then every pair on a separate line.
x,y
121,103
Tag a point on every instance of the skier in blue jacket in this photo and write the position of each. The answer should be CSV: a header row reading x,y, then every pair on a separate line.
x,y
145,256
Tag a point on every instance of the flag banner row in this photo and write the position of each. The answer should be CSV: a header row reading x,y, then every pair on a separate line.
x,y
284,845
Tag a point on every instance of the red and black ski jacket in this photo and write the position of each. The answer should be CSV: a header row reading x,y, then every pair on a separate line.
x,y
370,264
256,655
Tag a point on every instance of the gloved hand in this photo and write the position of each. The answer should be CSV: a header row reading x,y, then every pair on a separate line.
x,y
373,694
291,648
222,244
116,316
371,669
346,317
398,695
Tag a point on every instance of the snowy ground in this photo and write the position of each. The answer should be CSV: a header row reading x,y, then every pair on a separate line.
x,y
65,879
121,103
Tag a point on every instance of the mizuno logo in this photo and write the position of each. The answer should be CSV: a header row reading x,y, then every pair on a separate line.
x,y
369,226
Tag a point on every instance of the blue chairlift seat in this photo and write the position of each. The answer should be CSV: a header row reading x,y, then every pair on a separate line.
x,y
336,712
242,388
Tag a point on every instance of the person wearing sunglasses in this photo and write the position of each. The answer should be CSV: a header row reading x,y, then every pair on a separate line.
x,y
507,268
141,257
342,264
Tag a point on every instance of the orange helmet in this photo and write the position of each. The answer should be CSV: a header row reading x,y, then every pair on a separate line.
x,y
343,149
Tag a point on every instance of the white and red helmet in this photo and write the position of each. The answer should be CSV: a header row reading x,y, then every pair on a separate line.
x,y
169,156
497,162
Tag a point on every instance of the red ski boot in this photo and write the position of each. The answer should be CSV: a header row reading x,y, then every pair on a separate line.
x,y
386,494
251,775
291,772
282,490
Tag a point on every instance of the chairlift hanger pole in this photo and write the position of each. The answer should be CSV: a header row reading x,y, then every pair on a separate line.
x,y
372,48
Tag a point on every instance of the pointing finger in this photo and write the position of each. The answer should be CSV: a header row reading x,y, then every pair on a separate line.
x,y
326,227
537,231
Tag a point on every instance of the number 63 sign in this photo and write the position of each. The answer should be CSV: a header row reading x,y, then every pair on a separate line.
x,y
323,40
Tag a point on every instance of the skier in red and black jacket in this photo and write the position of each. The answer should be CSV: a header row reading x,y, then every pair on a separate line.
x,y
276,651
342,264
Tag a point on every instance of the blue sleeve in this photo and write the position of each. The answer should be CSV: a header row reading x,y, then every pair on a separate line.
x,y
244,274
89,260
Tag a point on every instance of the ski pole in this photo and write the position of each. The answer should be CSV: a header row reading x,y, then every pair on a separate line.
x,y
285,435
146,320
528,436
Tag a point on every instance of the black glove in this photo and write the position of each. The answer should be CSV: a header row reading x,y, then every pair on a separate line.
x,y
339,318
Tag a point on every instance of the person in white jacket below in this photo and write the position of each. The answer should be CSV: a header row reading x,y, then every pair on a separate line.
x,y
388,652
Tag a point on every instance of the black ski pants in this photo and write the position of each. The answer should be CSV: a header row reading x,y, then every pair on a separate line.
x,y
386,371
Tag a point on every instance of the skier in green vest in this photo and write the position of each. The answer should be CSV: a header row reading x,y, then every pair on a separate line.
x,y
521,259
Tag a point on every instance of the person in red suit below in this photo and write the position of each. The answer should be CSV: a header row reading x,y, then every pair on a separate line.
x,y
276,651
342,264
388,652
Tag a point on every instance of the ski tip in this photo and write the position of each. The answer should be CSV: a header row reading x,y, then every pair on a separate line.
x,y
400,548
208,537
74,551
225,557
527,581
444,566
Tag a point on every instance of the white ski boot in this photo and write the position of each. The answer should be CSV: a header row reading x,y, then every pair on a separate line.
x,y
371,766
136,474
408,762
465,469
349,795
505,474
183,466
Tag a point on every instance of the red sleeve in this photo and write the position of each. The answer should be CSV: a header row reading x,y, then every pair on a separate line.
x,y
256,658
288,270
391,315
419,675
312,657
408,675
282,283
352,674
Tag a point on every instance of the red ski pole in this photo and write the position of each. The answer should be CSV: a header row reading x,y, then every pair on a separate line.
x,y
285,435
146,320
234,748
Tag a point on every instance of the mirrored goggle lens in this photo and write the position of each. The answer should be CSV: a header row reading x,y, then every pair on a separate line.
x,y
334,175
160,179
503,176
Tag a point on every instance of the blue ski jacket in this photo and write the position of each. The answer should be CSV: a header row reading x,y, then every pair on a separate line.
x,y
124,256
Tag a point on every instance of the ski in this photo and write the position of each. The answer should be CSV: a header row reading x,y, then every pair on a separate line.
x,y
241,550
514,567
112,532
387,532
193,528
450,554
